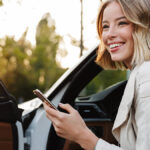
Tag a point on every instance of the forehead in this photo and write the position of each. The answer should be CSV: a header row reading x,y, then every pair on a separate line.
x,y
112,10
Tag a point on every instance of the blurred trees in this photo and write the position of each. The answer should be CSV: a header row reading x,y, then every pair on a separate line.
x,y
44,55
109,77
1,2
103,80
24,67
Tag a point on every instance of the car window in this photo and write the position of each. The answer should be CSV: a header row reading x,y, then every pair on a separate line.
x,y
103,80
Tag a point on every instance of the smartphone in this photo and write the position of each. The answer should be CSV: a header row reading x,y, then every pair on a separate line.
x,y
40,95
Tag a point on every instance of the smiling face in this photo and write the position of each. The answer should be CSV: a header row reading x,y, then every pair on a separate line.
x,y
117,34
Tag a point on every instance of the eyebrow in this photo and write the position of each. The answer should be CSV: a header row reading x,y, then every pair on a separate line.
x,y
119,18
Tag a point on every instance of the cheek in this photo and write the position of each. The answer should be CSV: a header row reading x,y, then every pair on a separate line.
x,y
127,36
130,38
130,48
127,33
131,42
104,39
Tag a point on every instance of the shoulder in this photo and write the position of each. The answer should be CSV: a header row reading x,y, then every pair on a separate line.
x,y
143,73
145,67
143,81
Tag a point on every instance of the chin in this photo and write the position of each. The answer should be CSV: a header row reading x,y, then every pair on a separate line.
x,y
117,58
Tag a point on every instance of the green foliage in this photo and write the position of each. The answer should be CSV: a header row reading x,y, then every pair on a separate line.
x,y
1,2
103,80
25,68
14,71
44,55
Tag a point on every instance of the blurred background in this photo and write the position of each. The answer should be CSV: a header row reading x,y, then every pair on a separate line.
x,y
41,39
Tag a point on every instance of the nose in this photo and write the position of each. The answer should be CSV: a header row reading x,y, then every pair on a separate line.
x,y
111,32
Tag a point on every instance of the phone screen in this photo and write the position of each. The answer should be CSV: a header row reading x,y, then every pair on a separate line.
x,y
40,95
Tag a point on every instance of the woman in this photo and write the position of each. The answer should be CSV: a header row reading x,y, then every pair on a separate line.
x,y
124,31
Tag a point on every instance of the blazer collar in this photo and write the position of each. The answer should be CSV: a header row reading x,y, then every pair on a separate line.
x,y
126,103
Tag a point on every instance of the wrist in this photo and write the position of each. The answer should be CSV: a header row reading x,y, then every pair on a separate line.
x,y
87,139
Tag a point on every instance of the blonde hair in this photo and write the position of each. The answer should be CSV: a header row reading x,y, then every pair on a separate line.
x,y
137,12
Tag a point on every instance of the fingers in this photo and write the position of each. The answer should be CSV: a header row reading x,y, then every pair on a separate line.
x,y
57,129
67,107
50,110
53,114
57,119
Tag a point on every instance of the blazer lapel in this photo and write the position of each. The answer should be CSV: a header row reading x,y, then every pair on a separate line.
x,y
125,104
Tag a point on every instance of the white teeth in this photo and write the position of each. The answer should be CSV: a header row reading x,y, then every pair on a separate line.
x,y
114,45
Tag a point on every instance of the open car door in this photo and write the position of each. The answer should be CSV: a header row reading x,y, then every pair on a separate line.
x,y
97,109
11,131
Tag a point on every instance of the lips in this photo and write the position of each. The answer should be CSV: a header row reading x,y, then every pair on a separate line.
x,y
115,46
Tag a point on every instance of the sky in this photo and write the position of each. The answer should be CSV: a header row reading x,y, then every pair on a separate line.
x,y
17,15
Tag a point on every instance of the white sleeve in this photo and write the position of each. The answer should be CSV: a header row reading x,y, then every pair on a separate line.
x,y
103,145
142,113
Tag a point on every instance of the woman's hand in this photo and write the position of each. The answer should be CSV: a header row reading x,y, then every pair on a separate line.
x,y
71,126
67,125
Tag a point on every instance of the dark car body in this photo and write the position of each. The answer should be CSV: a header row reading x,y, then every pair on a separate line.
x,y
33,131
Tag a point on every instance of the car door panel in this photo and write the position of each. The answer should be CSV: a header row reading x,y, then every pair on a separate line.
x,y
6,138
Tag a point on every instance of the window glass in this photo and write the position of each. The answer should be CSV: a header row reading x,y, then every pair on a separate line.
x,y
103,80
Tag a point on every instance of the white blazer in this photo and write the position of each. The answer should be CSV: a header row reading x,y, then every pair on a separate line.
x,y
132,124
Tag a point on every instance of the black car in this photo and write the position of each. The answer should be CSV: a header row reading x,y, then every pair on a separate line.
x,y
31,130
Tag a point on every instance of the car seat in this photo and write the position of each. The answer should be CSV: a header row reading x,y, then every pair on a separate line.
x,y
10,120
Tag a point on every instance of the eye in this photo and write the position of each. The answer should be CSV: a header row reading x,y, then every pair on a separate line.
x,y
123,23
105,26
